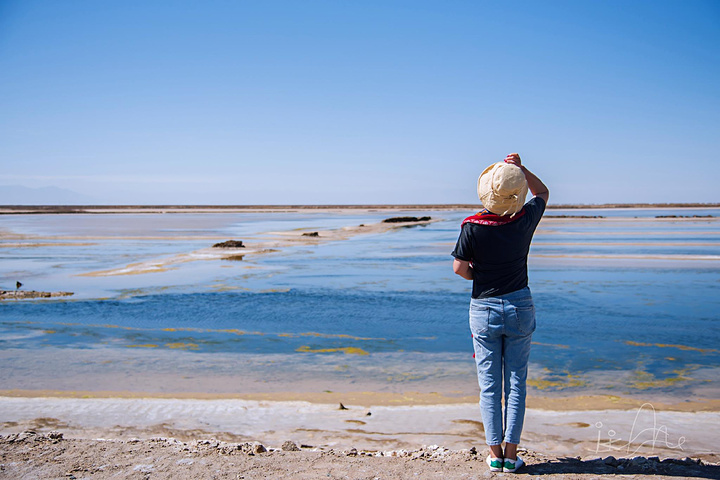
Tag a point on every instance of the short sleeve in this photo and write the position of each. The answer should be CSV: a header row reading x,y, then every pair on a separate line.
x,y
463,248
535,209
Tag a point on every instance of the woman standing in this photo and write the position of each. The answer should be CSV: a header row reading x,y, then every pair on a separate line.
x,y
492,251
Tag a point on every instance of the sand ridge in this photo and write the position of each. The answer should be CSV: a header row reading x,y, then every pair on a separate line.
x,y
276,241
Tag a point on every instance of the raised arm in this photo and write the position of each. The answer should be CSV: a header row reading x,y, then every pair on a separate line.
x,y
536,186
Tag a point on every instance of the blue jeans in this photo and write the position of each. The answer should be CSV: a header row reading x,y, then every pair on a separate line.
x,y
502,329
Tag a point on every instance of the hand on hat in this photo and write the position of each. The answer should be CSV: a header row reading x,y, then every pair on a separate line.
x,y
514,159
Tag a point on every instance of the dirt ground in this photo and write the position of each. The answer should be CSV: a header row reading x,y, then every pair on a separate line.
x,y
31,455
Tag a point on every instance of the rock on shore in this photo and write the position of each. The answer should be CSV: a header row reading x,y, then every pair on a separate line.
x,y
229,244
406,219
25,294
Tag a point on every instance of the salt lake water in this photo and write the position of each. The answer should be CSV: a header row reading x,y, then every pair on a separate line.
x,y
627,304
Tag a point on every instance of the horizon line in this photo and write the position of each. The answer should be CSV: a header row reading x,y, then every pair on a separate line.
x,y
76,208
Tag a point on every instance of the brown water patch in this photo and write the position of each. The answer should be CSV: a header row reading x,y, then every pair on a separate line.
x,y
574,424
470,422
47,423
478,429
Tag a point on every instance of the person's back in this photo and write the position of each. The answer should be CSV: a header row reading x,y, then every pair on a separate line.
x,y
492,251
498,252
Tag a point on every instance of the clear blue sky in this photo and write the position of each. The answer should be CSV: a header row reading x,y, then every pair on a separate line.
x,y
365,101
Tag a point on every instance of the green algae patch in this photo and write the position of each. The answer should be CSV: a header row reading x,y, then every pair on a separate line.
x,y
405,377
325,335
644,380
345,350
144,345
236,331
670,345
183,346
109,325
554,345
556,382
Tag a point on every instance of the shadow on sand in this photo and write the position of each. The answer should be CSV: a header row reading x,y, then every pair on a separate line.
x,y
653,466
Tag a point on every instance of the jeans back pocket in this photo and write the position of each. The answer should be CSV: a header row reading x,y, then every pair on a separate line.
x,y
525,319
479,318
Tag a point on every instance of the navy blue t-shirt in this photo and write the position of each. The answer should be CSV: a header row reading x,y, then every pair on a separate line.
x,y
498,253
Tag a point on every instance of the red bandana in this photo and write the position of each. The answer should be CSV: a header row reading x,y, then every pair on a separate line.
x,y
488,218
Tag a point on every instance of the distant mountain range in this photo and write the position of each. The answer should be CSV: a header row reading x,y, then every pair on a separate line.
x,y
19,195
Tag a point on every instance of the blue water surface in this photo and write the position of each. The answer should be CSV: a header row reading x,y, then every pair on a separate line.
x,y
369,294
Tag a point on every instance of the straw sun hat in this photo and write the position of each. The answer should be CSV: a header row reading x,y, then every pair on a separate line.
x,y
502,188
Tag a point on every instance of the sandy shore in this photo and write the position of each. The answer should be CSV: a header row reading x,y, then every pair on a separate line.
x,y
373,424
30,455
162,438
